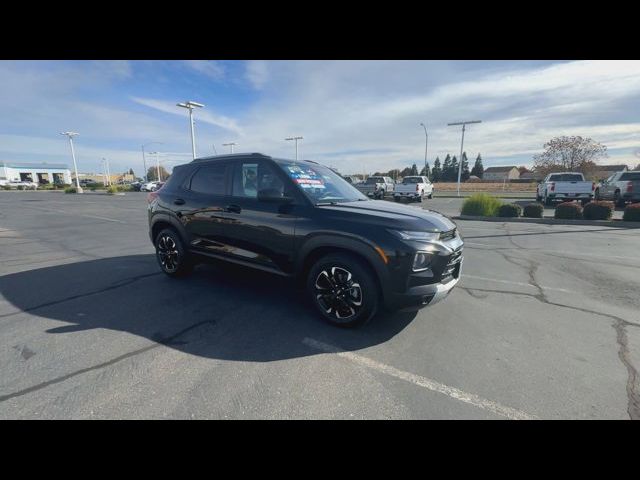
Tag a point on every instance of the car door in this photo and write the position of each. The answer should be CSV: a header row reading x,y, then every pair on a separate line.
x,y
201,206
259,232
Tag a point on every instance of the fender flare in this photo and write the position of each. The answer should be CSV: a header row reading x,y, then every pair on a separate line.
x,y
166,218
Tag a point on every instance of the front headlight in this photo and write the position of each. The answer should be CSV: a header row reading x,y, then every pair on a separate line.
x,y
418,236
421,261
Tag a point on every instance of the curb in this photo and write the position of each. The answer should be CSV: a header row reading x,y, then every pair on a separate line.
x,y
552,221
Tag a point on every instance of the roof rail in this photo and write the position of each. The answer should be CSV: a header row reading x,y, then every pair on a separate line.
x,y
231,155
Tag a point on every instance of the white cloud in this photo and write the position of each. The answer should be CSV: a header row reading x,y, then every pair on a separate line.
x,y
257,73
210,68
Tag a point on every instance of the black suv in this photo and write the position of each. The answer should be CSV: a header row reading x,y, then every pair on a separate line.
x,y
301,219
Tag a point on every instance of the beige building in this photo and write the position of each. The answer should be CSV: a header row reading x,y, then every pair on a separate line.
x,y
99,177
500,174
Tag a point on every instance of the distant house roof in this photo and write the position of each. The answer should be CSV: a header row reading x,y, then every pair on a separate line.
x,y
612,168
50,166
499,169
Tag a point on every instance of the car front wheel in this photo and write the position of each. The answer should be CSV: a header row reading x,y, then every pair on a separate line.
x,y
171,254
343,290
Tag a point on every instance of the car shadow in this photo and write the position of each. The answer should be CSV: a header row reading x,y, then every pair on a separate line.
x,y
222,312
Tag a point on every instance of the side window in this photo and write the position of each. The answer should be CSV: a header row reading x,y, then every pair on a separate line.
x,y
209,179
250,177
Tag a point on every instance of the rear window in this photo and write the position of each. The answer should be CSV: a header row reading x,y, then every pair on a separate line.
x,y
210,179
567,177
630,176
408,180
374,180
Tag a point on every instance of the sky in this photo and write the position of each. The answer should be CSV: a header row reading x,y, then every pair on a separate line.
x,y
357,116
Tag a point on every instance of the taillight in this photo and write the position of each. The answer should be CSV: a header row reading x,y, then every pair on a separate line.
x,y
152,196
629,187
593,186
553,186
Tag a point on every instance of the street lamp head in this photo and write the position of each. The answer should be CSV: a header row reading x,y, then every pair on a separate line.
x,y
189,104
294,138
69,134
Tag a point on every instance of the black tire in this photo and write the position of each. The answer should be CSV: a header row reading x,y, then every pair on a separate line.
x,y
547,201
330,286
619,201
538,198
419,199
596,194
172,257
430,196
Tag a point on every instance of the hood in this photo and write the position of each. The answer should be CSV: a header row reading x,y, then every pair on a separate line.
x,y
395,215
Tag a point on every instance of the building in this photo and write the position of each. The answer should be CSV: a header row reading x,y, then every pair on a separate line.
x,y
500,174
41,173
605,171
116,178
532,176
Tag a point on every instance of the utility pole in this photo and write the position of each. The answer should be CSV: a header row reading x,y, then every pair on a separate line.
x,y
229,145
464,124
70,135
190,105
144,162
426,145
296,140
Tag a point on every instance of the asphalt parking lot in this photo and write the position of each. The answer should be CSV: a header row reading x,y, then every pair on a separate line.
x,y
544,324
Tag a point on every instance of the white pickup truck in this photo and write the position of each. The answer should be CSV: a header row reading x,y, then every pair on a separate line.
x,y
413,188
565,186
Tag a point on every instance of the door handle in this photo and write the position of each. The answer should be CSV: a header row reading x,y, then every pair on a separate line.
x,y
178,201
233,209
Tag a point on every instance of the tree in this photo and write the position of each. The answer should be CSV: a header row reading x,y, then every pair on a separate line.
x,y
152,174
446,169
426,171
406,172
478,169
465,168
436,173
454,170
131,171
414,169
572,154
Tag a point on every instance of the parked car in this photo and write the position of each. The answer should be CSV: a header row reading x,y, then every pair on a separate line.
x,y
27,185
376,187
413,188
301,220
620,187
148,187
565,186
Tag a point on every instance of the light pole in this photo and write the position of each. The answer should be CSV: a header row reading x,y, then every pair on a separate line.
x,y
190,105
144,161
229,145
103,163
296,140
157,154
106,162
73,155
464,124
426,145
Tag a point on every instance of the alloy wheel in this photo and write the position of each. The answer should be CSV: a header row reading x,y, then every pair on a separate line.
x,y
338,293
168,253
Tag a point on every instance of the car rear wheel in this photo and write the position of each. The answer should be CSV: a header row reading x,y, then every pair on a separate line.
x,y
619,201
171,254
343,290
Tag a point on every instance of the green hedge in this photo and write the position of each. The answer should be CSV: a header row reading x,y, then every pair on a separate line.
x,y
510,210
481,204
632,213
112,189
598,210
70,190
569,211
533,210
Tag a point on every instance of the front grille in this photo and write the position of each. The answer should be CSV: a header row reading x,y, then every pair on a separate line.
x,y
452,265
444,236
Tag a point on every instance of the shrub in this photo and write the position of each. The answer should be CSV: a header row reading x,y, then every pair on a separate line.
x,y
598,210
112,189
20,187
510,210
481,204
70,190
533,210
6,187
569,211
632,213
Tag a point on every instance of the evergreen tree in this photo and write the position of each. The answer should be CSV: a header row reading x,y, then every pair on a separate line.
x,y
436,172
152,173
478,169
454,169
426,171
131,171
446,169
406,172
414,169
465,168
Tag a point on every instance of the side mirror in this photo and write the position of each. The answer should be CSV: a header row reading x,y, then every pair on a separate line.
x,y
271,195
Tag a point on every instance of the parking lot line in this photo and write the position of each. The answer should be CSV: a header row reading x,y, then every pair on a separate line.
x,y
475,400
466,275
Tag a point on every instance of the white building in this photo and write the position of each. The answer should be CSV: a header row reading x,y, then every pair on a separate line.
x,y
42,173
501,173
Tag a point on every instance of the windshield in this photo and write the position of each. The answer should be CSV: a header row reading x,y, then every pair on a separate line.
x,y
320,184
374,180
408,180
567,177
